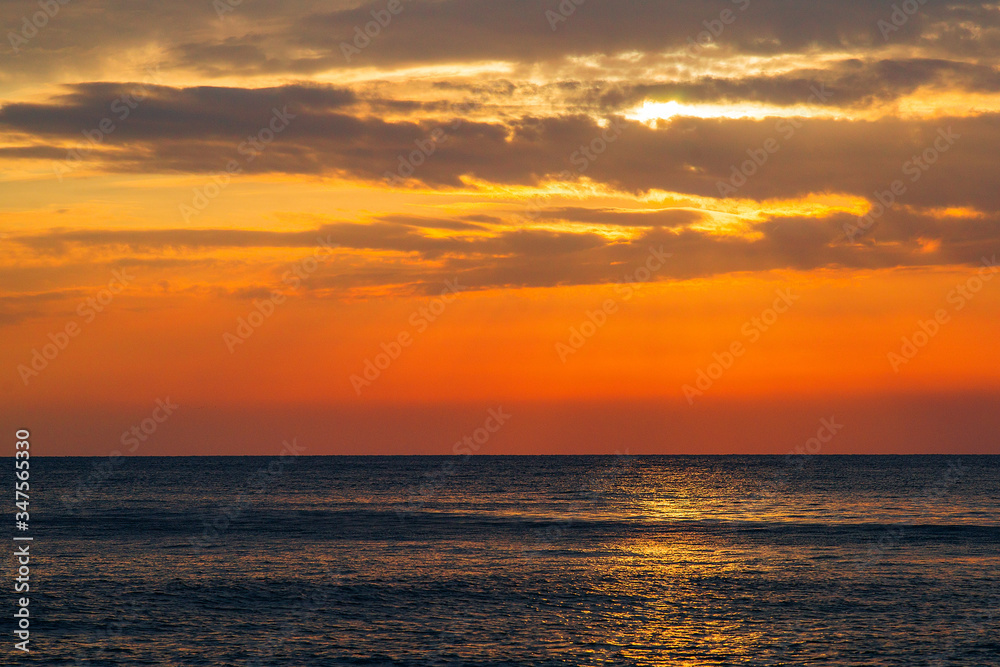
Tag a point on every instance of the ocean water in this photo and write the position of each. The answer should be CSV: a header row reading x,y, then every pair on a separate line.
x,y
611,560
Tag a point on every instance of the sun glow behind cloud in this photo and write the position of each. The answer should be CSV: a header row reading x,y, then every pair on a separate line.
x,y
650,112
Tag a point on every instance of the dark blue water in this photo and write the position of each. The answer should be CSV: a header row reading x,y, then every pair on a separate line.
x,y
515,561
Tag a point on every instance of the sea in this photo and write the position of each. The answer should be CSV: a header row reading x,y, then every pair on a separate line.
x,y
513,560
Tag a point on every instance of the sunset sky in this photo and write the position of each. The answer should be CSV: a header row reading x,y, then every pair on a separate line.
x,y
671,227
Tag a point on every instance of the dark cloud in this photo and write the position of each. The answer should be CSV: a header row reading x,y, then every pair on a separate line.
x,y
16,308
847,83
431,223
520,30
603,216
198,130
32,152
532,257
142,112
303,37
372,236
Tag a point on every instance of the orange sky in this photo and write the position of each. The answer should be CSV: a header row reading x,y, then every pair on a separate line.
x,y
160,185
